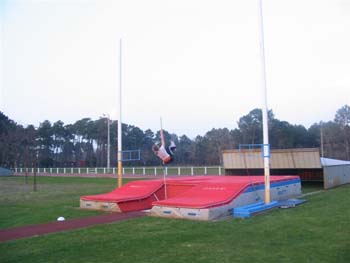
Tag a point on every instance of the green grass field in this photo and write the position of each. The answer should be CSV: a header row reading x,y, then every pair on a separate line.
x,y
317,231
55,196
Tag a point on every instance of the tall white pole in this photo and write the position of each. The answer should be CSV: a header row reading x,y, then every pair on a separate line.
x,y
321,130
266,148
108,143
120,167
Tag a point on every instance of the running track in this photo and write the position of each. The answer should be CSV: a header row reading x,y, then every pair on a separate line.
x,y
53,227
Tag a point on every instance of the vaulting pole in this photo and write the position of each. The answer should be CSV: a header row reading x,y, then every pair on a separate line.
x,y
164,170
120,165
266,148
161,133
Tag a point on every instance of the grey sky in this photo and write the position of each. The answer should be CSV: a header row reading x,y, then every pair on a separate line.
x,y
195,63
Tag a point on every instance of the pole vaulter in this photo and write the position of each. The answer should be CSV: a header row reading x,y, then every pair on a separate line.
x,y
166,155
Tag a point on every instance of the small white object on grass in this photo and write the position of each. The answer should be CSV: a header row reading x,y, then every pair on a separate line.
x,y
61,218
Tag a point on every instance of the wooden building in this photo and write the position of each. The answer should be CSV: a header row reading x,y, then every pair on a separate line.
x,y
305,162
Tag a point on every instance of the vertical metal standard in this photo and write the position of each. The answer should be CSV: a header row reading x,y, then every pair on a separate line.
x,y
108,143
264,108
35,170
321,131
120,166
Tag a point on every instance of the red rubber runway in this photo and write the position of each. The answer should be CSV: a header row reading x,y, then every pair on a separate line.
x,y
53,227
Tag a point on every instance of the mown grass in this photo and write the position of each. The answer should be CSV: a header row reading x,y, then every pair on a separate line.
x,y
55,196
308,187
317,231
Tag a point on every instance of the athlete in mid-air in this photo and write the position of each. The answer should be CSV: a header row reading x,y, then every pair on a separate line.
x,y
166,155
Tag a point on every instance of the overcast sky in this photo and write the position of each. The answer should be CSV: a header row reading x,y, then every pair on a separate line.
x,y
193,62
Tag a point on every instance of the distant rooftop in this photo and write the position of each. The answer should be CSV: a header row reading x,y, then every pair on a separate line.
x,y
331,162
301,158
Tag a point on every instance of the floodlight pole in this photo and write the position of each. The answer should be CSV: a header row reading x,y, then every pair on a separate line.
x,y
120,166
108,144
266,148
321,135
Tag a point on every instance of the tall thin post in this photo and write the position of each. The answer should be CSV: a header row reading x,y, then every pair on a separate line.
x,y
35,170
266,148
34,177
120,166
321,131
108,144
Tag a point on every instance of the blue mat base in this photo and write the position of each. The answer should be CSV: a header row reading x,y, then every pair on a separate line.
x,y
250,210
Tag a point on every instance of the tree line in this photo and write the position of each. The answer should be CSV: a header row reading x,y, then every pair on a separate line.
x,y
84,143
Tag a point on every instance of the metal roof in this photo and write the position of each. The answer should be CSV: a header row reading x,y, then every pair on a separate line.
x,y
303,158
332,162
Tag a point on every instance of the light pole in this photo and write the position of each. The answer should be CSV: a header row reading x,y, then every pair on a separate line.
x,y
120,148
266,148
321,135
